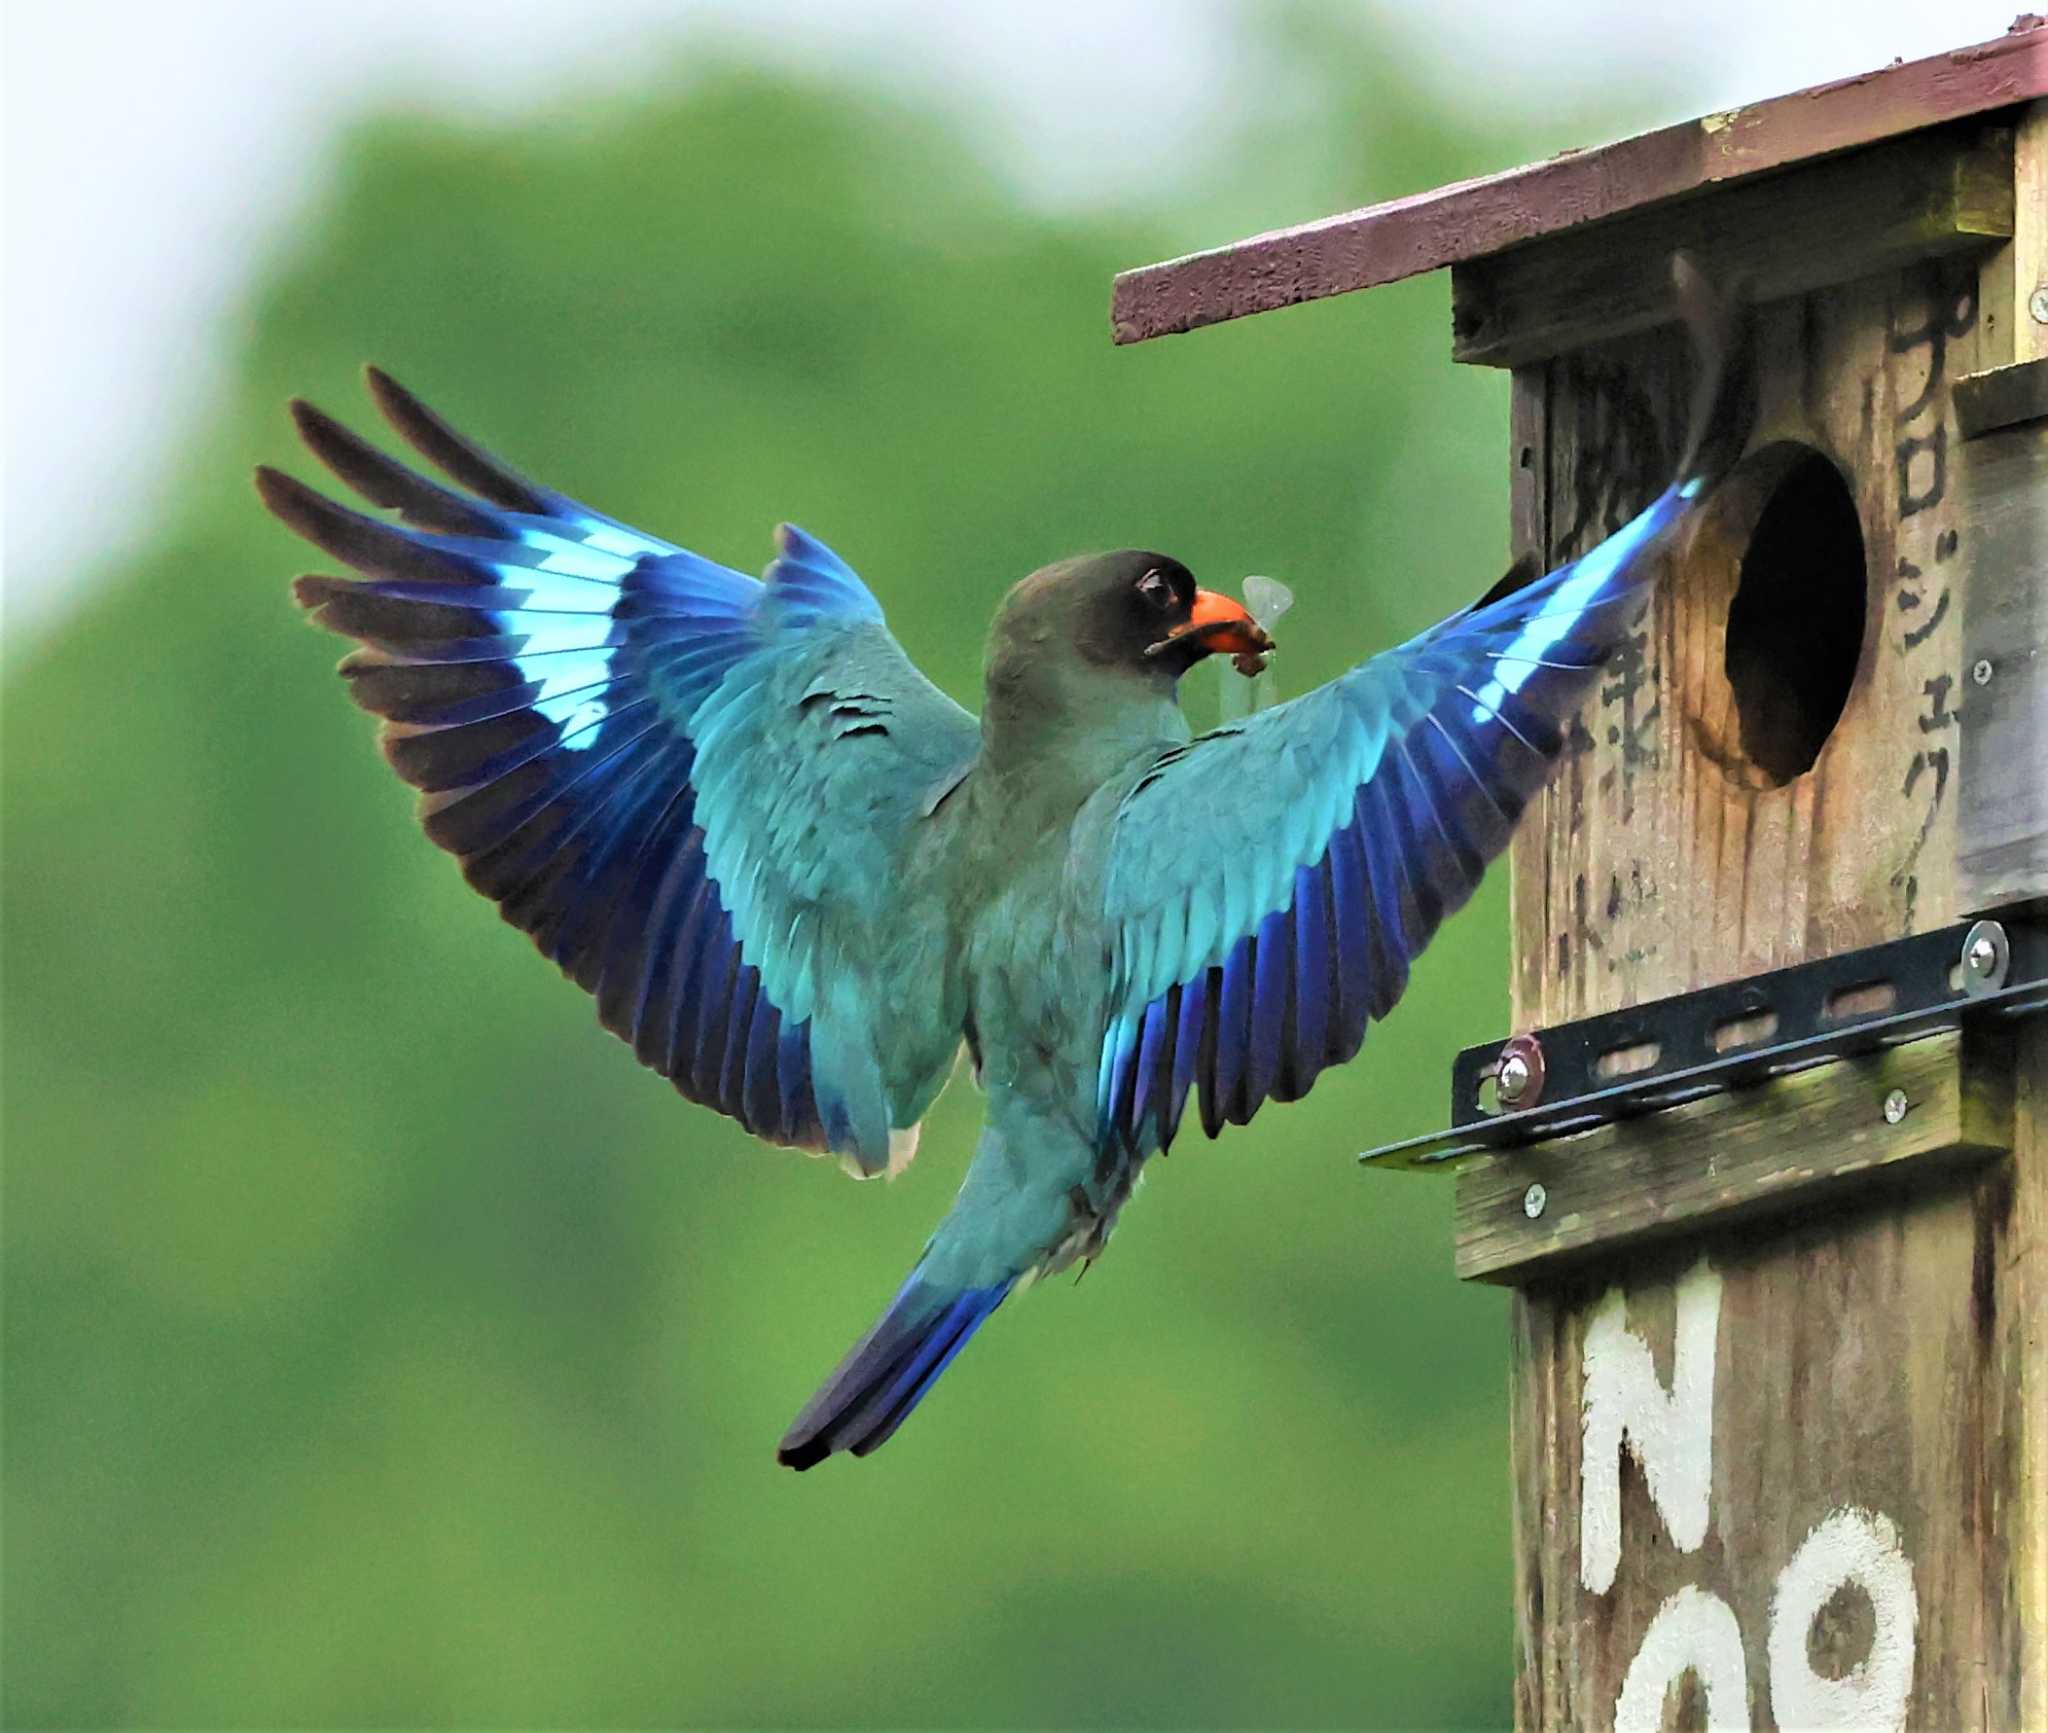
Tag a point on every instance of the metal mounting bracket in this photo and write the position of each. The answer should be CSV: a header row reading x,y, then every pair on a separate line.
x,y
1554,1082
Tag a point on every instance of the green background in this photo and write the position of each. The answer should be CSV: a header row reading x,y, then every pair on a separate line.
x,y
382,1346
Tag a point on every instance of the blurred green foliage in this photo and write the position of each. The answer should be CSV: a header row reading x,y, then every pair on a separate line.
x,y
382,1346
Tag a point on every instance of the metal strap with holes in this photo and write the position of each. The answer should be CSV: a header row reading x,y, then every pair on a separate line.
x,y
1556,1081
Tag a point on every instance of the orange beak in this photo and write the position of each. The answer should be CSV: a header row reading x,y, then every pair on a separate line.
x,y
1220,625
1226,626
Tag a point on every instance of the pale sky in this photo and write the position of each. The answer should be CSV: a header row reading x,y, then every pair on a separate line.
x,y
153,149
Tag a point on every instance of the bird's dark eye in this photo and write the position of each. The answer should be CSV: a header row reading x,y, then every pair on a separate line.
x,y
1156,590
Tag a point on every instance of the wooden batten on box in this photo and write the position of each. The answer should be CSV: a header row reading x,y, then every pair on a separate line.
x,y
1780,1389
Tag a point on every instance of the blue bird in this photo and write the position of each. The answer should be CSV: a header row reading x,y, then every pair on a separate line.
x,y
798,878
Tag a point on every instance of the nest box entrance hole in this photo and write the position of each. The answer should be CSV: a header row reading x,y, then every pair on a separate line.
x,y
1781,559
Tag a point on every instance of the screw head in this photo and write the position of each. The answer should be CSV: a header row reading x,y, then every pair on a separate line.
x,y
1512,1082
1987,958
1533,1201
1980,671
2037,305
1895,1105
1518,1073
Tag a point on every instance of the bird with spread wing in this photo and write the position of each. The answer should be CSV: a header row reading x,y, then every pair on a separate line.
x,y
798,878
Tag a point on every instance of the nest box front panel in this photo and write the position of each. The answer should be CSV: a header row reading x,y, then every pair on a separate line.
x,y
1768,771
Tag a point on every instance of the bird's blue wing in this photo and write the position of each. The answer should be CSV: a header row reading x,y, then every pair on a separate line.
x,y
695,789
1269,884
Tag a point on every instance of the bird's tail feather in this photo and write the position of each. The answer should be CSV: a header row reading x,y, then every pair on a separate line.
x,y
888,1371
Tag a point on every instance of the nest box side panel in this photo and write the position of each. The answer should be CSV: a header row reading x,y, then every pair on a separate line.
x,y
2002,843
1664,856
2003,817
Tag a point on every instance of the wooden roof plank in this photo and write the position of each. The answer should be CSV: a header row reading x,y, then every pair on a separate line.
x,y
1476,218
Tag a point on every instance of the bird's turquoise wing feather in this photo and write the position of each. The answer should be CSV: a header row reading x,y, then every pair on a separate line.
x,y
1269,884
696,790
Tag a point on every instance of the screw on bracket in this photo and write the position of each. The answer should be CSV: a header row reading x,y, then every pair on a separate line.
x,y
1518,1075
1987,958
1533,1201
1895,1107
1981,671
2037,305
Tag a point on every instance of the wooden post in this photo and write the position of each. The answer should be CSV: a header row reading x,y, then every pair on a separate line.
x,y
1780,1380
1796,1468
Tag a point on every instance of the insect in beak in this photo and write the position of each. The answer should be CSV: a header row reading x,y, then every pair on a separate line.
x,y
1219,625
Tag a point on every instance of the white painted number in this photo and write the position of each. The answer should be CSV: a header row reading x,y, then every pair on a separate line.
x,y
1850,1546
1693,1632
1671,1435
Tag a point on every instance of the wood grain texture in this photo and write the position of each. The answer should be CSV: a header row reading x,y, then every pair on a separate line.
x,y
1882,1356
2030,231
1659,859
2009,275
2002,815
2003,822
2002,397
1473,219
1949,190
1882,1348
2015,1499
1742,1155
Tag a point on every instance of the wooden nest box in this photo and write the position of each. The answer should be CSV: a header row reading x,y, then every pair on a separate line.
x,y
1767,1169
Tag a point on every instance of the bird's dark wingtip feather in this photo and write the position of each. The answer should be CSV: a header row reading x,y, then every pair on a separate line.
x,y
422,428
307,512
463,459
301,509
384,481
1720,323
320,432
313,592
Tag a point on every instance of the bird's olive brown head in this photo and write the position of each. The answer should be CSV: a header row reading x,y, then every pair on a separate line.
x,y
1133,610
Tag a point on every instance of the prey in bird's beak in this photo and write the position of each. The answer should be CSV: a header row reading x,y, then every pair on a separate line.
x,y
1218,625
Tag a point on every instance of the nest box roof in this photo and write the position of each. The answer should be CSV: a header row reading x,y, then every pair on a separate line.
x,y
1474,219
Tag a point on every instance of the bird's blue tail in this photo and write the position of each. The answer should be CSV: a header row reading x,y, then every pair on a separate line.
x,y
888,1371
